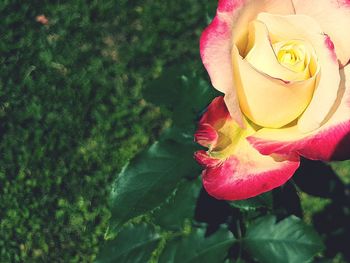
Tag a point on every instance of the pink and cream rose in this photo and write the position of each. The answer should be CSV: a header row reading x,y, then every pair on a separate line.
x,y
282,66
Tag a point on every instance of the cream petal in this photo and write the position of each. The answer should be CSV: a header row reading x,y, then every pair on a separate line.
x,y
334,18
249,12
325,95
330,141
261,55
267,101
228,26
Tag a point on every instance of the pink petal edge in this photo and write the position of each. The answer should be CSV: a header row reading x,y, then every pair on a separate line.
x,y
215,51
325,145
227,182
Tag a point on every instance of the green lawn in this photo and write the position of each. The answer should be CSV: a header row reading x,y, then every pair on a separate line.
x,y
72,114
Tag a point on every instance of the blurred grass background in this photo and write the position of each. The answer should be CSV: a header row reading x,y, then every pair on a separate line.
x,y
72,113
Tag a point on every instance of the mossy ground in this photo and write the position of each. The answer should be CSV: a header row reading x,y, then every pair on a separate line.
x,y
72,113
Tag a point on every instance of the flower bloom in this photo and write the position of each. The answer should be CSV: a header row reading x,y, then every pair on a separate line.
x,y
282,66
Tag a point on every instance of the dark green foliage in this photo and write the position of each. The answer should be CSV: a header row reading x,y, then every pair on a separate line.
x,y
71,113
134,244
180,206
153,175
332,220
185,94
196,247
260,201
290,240
149,179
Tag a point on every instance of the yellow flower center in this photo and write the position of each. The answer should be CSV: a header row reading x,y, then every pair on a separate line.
x,y
292,55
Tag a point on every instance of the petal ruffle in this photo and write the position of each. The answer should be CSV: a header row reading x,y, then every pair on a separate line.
x,y
206,135
205,160
329,142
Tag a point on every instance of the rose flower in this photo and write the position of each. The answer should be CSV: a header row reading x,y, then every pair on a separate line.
x,y
282,67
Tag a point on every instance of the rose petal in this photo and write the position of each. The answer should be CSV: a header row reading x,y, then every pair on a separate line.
x,y
228,26
334,18
215,49
267,101
215,114
248,173
325,95
329,142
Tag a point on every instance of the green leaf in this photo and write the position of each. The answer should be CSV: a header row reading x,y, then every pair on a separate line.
x,y
181,91
149,179
166,90
196,247
196,95
180,206
290,240
133,244
180,134
261,201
